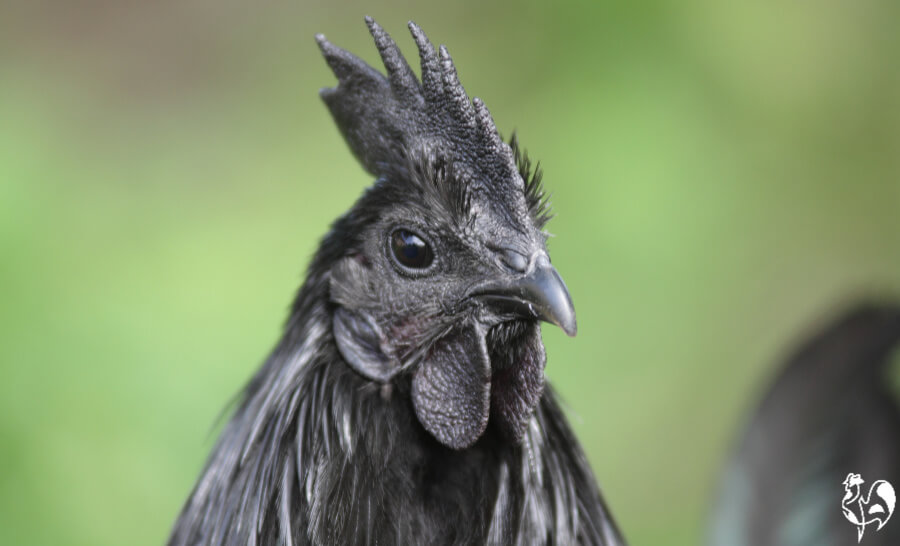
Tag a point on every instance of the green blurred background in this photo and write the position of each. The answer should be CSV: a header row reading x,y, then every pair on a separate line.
x,y
724,175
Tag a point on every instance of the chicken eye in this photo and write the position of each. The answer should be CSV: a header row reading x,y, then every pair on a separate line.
x,y
410,250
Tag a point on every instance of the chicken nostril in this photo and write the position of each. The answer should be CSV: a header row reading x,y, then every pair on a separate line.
x,y
514,260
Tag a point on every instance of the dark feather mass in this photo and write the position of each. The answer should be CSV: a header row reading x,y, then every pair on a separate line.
x,y
829,412
406,401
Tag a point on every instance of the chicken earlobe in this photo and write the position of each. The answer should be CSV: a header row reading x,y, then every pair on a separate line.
x,y
360,342
451,388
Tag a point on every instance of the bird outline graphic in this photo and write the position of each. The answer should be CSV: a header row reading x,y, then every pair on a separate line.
x,y
877,506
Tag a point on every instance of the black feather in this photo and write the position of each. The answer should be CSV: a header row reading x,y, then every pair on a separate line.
x,y
829,412
537,198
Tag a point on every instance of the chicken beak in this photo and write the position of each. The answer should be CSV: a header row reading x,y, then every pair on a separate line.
x,y
540,293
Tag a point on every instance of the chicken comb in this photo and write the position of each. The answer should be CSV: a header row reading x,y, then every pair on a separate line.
x,y
386,119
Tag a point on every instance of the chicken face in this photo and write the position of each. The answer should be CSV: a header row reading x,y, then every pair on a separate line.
x,y
446,274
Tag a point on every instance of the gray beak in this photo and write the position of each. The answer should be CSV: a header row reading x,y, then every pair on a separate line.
x,y
540,293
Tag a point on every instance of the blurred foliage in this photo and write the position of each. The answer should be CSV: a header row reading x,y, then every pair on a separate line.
x,y
724,175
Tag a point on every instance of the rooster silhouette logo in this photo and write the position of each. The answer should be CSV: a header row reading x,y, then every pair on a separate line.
x,y
878,505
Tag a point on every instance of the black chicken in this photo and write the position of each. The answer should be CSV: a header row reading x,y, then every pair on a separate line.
x,y
829,414
405,403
